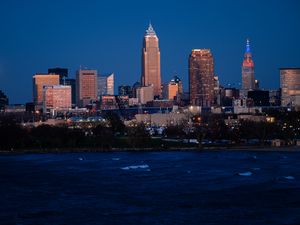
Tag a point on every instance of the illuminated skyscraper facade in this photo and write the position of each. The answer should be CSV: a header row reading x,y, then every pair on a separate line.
x,y
201,77
41,80
248,81
151,61
290,86
86,87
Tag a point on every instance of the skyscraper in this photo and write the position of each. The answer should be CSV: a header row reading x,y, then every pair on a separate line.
x,y
201,77
39,81
290,86
151,61
86,85
248,81
105,84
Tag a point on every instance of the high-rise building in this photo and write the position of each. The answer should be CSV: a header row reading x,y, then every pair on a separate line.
x,y
290,86
151,61
72,82
39,81
57,97
248,81
125,90
62,72
3,100
105,85
86,86
201,77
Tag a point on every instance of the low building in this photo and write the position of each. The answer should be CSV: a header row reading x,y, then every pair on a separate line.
x,y
108,102
162,119
3,100
145,94
57,97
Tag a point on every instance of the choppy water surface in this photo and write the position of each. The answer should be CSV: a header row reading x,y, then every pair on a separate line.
x,y
220,187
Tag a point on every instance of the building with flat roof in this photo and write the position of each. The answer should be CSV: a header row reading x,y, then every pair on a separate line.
x,y
3,100
86,86
201,78
39,81
57,97
290,86
145,94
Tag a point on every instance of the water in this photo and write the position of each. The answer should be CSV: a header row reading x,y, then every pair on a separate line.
x,y
220,187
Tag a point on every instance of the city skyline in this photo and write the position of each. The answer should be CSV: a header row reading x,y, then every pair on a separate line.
x,y
32,43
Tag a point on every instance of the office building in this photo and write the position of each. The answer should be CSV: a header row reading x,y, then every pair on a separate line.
x,y
151,61
173,89
201,78
259,97
290,86
39,81
57,97
125,90
86,86
105,85
145,94
62,72
248,81
72,82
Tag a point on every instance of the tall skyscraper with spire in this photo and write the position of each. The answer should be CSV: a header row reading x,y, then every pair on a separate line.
x,y
151,61
248,81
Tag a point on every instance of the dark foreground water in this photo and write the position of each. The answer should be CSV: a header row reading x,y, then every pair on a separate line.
x,y
151,188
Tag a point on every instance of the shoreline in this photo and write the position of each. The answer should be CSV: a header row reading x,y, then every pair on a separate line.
x,y
173,149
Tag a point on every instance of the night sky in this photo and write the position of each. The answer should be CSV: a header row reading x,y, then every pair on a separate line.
x,y
107,36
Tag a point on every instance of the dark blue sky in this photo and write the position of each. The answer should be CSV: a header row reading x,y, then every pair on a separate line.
x,y
107,35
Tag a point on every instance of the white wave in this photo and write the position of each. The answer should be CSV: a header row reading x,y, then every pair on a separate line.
x,y
245,174
115,159
289,178
256,168
134,167
80,159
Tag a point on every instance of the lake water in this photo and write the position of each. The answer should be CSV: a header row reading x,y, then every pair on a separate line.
x,y
234,187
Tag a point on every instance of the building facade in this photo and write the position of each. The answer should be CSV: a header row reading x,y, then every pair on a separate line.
x,y
3,100
248,80
173,89
151,61
105,85
86,85
72,82
201,77
62,72
290,86
57,97
145,94
41,80
125,90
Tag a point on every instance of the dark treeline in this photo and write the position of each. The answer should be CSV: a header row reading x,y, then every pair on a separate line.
x,y
105,136
114,134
